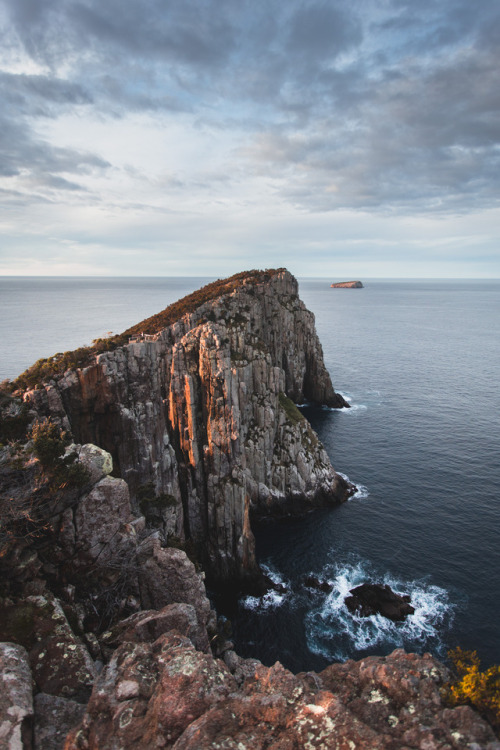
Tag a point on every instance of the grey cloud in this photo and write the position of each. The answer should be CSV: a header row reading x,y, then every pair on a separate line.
x,y
39,95
426,139
381,105
38,163
322,30
192,31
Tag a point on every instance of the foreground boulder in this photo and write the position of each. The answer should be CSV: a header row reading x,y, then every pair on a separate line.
x,y
16,699
166,694
375,598
60,663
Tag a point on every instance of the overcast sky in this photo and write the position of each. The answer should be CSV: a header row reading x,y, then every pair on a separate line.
x,y
205,137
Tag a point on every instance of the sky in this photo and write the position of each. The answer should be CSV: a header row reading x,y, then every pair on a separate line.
x,y
206,137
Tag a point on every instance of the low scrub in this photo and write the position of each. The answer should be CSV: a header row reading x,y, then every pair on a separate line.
x,y
52,367
292,412
473,687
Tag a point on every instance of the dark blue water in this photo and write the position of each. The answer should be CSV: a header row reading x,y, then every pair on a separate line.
x,y
420,362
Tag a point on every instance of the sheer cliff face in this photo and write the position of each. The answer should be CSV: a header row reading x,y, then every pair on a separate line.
x,y
204,410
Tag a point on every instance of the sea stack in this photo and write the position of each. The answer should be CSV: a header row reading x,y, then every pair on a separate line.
x,y
347,285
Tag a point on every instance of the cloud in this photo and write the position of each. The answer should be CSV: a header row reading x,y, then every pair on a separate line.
x,y
189,106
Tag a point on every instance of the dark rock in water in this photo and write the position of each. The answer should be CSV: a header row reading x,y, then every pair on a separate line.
x,y
376,598
315,583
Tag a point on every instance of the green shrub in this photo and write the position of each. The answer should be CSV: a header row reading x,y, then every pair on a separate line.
x,y
49,447
152,504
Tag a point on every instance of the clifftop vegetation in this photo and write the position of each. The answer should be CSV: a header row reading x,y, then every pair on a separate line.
x,y
50,367
473,687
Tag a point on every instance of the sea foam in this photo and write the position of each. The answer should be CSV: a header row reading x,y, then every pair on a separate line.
x,y
272,598
334,632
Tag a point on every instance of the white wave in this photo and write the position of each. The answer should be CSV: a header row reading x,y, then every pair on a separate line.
x,y
272,598
336,633
351,409
269,601
355,409
361,493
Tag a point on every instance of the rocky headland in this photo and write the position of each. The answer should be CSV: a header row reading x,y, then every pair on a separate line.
x,y
202,412
126,483
347,285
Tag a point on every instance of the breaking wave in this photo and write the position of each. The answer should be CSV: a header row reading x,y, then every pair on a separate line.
x,y
272,598
334,632
361,493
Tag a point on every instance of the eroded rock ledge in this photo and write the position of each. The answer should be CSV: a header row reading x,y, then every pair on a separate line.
x,y
202,411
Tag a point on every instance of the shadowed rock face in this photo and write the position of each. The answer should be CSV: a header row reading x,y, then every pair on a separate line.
x,y
204,410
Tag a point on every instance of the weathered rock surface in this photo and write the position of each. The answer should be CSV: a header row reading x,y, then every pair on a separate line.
x,y
16,700
166,694
60,663
149,625
375,598
97,461
203,411
167,576
54,718
150,693
161,686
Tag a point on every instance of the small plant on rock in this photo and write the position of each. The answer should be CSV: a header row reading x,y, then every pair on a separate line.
x,y
49,447
471,686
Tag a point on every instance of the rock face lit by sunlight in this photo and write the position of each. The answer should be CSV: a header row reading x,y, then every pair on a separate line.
x,y
203,408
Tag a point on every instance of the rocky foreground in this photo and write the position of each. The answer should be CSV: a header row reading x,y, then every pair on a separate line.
x,y
166,676
107,637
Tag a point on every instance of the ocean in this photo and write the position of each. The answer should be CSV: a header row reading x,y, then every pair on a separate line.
x,y
419,362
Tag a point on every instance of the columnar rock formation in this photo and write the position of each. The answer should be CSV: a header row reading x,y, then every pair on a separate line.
x,y
203,412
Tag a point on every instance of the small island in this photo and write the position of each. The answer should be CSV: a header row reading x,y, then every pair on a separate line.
x,y
347,285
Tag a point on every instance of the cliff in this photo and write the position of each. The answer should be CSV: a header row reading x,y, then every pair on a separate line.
x,y
347,285
198,413
107,637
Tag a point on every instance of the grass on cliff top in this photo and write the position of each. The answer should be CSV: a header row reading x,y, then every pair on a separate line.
x,y
50,367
